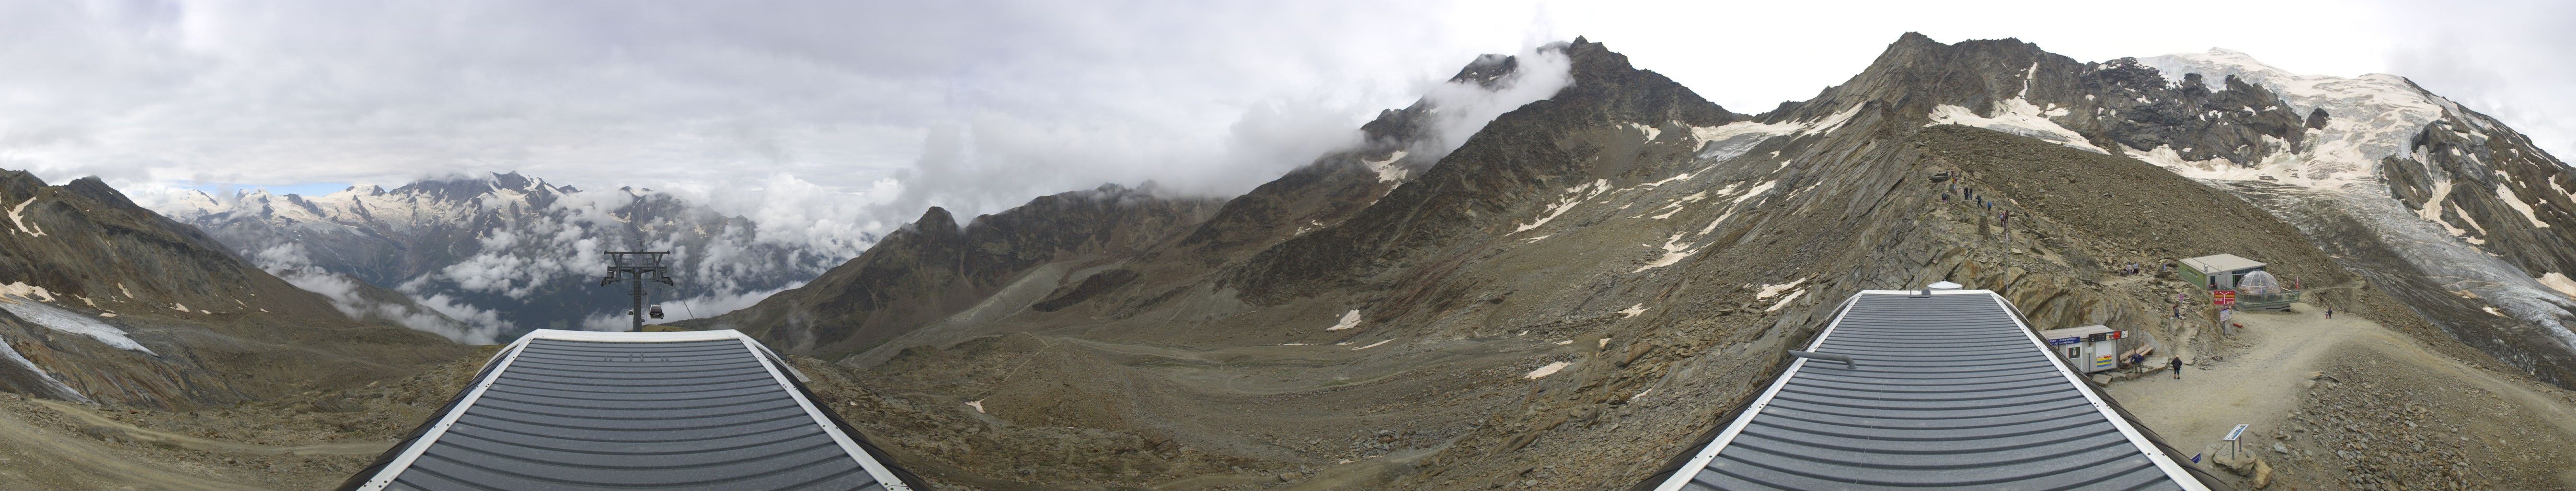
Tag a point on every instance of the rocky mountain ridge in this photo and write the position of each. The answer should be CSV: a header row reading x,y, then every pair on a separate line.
x,y
881,297
936,267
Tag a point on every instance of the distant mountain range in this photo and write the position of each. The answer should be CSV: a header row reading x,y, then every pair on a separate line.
x,y
102,300
505,254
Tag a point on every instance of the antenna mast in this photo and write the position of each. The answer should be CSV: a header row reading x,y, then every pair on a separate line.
x,y
637,267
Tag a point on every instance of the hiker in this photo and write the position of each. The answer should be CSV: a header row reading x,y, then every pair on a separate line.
x,y
2177,367
2329,312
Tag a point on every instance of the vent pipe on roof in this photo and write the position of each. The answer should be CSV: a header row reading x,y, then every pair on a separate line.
x,y
1846,359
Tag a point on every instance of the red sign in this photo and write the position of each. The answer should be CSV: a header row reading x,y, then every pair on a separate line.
x,y
2222,297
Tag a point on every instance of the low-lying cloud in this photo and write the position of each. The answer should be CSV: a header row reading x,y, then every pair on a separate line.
x,y
294,264
1465,107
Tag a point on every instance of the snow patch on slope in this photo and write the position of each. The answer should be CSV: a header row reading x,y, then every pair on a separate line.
x,y
1769,291
1728,141
1784,301
1674,251
1574,196
1677,205
2505,192
64,321
1651,132
1738,203
2017,116
16,216
1387,171
2556,281
1349,320
1545,370
23,290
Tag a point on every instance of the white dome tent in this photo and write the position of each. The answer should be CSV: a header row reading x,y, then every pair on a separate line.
x,y
2260,290
2258,282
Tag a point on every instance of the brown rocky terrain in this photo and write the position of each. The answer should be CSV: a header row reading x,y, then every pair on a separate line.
x,y
1576,294
306,440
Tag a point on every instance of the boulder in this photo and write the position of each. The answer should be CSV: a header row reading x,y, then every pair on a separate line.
x,y
2262,474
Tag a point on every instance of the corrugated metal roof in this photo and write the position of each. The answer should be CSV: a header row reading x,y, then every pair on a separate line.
x,y
2220,262
1948,391
572,411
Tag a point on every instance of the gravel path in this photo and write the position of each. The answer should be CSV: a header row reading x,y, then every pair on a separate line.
x,y
2271,368
2256,382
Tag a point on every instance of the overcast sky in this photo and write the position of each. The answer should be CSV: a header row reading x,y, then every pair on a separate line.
x,y
886,106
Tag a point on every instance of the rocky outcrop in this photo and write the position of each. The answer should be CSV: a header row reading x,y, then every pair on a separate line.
x,y
2470,169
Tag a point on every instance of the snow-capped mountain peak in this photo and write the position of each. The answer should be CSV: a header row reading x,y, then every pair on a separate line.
x,y
2366,118
507,253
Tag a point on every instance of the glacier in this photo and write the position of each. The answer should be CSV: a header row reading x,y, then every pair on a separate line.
x,y
2369,118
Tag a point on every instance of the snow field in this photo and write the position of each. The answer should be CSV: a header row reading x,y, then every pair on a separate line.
x,y
66,322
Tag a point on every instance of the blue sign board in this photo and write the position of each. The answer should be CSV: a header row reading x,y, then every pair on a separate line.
x,y
2064,341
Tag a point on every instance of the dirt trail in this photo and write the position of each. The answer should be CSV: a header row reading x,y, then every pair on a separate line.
x,y
1273,370
2261,382
27,446
92,418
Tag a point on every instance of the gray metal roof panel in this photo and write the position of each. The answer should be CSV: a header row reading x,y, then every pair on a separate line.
x,y
1949,391
659,412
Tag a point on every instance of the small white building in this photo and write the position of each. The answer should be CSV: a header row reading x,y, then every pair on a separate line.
x,y
2218,272
2093,348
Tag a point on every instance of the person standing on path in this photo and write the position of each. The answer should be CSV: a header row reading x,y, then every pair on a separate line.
x,y
2329,312
2177,367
